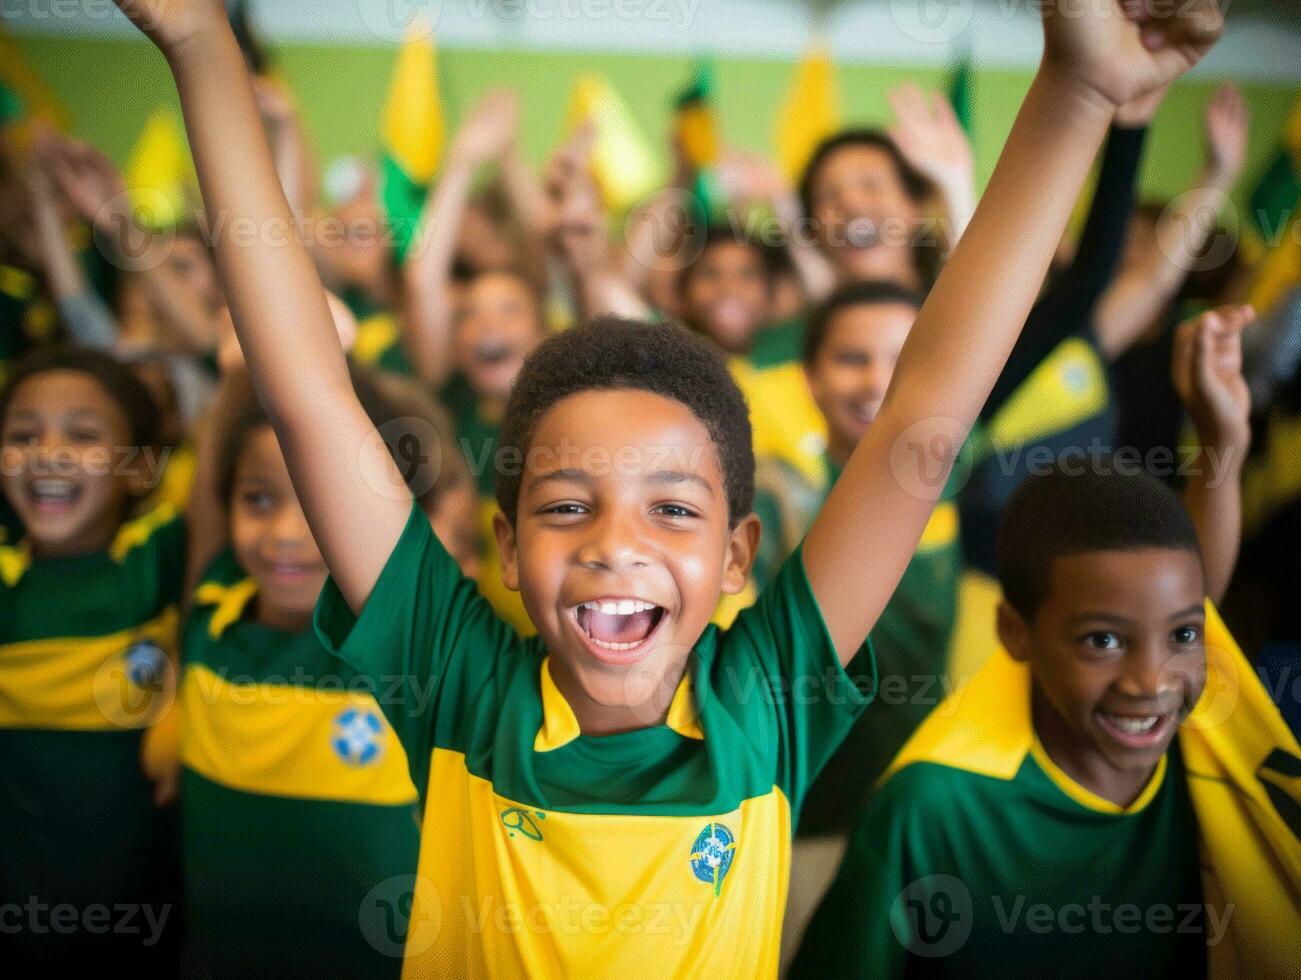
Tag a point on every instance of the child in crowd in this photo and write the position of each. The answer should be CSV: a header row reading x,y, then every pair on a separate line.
x,y
1109,792
625,512
88,619
288,763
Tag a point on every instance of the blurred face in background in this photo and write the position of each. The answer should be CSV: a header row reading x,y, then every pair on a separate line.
x,y
727,294
500,324
863,216
852,369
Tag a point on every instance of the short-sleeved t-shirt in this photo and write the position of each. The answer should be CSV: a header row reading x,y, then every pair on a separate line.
x,y
548,852
86,647
298,800
979,857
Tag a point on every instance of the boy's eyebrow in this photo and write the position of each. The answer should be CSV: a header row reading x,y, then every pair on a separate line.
x,y
1196,609
671,477
1098,617
570,474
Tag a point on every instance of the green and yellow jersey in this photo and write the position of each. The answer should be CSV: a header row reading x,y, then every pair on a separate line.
x,y
86,648
299,815
786,422
912,636
980,857
662,851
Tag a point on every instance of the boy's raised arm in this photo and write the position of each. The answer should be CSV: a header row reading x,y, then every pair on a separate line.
x,y
1096,57
354,498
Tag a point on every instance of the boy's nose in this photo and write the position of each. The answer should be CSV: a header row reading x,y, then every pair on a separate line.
x,y
613,546
1149,673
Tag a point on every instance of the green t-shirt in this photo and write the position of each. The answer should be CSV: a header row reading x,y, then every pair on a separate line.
x,y
532,818
298,804
954,873
86,647
911,638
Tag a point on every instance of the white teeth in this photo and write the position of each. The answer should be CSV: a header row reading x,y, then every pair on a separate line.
x,y
53,488
620,607
1133,726
611,646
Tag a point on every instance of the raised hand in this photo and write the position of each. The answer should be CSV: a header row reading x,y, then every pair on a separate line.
x,y
172,23
1207,374
928,134
489,129
1120,50
1226,133
88,181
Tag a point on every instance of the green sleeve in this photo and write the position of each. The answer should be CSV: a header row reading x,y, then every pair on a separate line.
x,y
778,667
868,922
427,644
769,557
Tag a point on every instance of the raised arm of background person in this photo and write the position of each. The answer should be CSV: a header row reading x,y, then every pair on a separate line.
x,y
1139,296
1094,60
352,493
1207,373
427,271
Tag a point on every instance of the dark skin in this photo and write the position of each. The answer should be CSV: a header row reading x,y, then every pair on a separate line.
x,y
1119,661
622,497
65,440
728,295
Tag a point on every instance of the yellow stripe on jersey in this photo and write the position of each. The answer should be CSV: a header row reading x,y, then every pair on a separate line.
x,y
786,422
280,740
523,892
230,601
375,335
134,533
942,528
1067,388
15,559
87,683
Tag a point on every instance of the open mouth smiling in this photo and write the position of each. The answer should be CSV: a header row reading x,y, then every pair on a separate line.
x,y
617,629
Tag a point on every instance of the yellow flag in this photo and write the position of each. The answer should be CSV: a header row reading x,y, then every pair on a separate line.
x,y
809,113
159,173
621,158
411,131
413,127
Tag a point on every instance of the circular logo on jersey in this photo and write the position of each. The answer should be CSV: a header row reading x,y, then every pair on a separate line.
x,y
1075,376
712,853
932,916
133,689
358,737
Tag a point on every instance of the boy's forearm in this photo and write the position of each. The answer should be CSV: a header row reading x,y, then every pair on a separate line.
x,y
975,311
953,356
1213,497
275,294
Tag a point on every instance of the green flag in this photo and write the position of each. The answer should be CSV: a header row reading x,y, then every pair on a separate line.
x,y
1278,191
699,135
960,91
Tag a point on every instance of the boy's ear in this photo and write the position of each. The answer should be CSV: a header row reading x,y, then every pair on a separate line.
x,y
1013,632
742,546
507,550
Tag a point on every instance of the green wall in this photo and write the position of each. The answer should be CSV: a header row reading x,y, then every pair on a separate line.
x,y
110,86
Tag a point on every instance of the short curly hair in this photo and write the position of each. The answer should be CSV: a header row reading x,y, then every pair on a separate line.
x,y
612,354
1097,506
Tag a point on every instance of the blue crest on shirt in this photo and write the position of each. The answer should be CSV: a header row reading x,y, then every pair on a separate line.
x,y
146,665
357,736
712,853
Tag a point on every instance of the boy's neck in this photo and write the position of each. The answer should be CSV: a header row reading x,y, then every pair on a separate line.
x,y
1083,764
282,620
92,541
598,719
839,450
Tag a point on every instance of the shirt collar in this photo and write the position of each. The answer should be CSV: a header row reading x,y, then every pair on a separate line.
x,y
229,600
560,724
